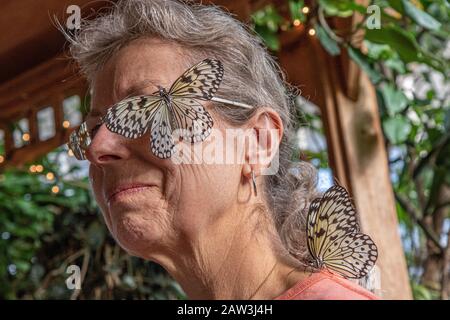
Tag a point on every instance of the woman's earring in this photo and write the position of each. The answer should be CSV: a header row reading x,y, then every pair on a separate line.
x,y
254,183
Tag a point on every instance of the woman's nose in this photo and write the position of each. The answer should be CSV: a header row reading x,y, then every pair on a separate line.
x,y
107,147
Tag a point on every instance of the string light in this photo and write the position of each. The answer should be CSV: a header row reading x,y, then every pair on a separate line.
x,y
50,176
39,168
33,168
312,32
55,189
305,10
297,22
26,137
2,158
66,124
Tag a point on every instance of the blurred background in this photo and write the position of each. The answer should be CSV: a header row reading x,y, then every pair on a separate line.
x,y
373,113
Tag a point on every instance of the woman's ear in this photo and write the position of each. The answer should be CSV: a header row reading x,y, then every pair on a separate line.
x,y
262,150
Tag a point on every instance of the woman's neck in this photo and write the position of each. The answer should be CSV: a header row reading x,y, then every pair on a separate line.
x,y
234,260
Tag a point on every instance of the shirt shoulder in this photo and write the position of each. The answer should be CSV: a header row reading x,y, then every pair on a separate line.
x,y
325,285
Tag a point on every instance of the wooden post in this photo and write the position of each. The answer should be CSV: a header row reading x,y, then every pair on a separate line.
x,y
371,187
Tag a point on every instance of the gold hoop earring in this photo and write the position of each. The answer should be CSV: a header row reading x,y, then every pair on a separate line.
x,y
254,183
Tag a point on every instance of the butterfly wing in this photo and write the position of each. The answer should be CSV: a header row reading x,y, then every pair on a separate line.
x,y
131,117
162,143
310,226
201,81
333,236
191,118
335,217
352,255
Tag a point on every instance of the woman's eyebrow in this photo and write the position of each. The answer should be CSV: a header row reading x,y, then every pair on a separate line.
x,y
138,87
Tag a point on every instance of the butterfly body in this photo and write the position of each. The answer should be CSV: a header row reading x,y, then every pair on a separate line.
x,y
166,111
318,263
165,95
333,237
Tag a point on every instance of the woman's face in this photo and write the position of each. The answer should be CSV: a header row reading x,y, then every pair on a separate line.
x,y
161,203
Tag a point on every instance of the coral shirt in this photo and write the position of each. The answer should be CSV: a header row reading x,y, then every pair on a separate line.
x,y
325,285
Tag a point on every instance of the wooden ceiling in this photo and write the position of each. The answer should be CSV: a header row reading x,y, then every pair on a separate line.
x,y
29,36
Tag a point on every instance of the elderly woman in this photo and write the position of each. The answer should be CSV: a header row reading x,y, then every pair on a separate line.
x,y
222,229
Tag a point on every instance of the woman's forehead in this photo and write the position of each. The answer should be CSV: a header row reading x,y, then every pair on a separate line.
x,y
138,68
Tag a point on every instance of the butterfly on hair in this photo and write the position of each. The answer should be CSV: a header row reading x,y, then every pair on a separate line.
x,y
334,239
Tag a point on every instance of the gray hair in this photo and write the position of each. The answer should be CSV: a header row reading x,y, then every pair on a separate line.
x,y
250,75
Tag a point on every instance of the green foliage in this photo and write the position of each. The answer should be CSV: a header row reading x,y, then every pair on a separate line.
x,y
266,23
328,43
423,293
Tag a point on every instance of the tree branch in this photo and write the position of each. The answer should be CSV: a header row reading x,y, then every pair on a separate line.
x,y
413,214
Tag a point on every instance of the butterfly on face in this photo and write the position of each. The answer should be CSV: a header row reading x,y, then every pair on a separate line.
x,y
333,236
165,111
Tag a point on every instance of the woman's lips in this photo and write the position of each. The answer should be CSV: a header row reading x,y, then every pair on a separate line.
x,y
126,190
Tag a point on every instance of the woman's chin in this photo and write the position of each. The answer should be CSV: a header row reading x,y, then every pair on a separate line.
x,y
137,234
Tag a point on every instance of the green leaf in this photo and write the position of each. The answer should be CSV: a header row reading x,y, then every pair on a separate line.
x,y
267,17
396,5
396,64
341,8
270,38
22,266
295,8
395,100
364,64
397,129
421,17
378,51
421,292
399,40
329,44
336,8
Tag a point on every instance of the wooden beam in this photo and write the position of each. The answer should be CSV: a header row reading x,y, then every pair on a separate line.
x,y
371,186
55,75
29,37
46,85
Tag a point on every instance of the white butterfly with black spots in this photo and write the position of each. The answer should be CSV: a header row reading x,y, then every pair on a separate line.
x,y
164,111
333,236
